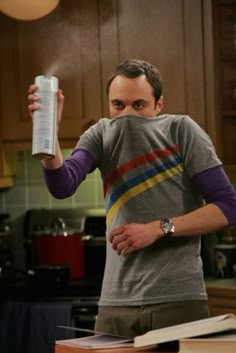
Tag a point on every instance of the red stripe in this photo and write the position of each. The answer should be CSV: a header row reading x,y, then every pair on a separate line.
x,y
136,162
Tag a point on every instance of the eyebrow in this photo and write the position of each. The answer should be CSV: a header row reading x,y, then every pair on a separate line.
x,y
139,100
116,101
135,101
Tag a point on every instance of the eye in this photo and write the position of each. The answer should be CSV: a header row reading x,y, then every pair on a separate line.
x,y
139,104
118,104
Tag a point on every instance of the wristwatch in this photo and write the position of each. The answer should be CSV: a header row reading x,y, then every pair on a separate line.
x,y
168,227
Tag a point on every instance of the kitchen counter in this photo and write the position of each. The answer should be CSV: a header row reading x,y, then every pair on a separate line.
x,y
34,310
31,310
221,296
23,288
221,287
220,283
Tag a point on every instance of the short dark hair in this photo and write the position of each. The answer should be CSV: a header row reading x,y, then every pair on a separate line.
x,y
133,68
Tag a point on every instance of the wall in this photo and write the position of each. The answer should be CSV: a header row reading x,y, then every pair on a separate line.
x,y
30,192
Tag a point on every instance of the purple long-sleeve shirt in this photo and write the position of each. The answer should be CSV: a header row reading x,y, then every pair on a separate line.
x,y
213,184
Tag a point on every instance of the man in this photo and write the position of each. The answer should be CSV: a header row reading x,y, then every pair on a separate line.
x,y
157,171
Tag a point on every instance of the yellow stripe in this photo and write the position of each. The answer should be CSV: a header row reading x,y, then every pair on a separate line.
x,y
147,184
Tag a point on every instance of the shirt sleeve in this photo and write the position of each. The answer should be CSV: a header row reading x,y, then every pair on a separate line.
x,y
64,181
196,147
216,188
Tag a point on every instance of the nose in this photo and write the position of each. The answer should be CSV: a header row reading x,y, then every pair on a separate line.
x,y
129,110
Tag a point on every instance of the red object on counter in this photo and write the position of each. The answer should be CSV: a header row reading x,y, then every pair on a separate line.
x,y
59,250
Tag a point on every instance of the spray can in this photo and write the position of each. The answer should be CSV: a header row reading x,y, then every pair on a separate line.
x,y
45,118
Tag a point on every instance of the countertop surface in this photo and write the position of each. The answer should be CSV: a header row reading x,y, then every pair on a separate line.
x,y
221,283
23,288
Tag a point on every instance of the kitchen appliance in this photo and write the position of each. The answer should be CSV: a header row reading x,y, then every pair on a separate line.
x,y
58,246
50,275
94,244
6,261
72,237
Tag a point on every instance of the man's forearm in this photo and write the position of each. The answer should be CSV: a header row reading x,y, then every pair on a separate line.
x,y
133,236
203,220
64,177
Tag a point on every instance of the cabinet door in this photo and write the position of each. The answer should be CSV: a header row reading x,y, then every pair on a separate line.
x,y
7,168
82,41
225,43
221,305
65,44
167,33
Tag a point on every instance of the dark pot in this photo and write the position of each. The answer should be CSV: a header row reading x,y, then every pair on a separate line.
x,y
50,274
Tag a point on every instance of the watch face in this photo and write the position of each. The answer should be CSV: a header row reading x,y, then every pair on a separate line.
x,y
167,226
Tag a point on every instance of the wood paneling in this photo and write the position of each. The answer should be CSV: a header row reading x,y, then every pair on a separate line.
x,y
64,44
222,300
225,61
156,33
82,41
168,34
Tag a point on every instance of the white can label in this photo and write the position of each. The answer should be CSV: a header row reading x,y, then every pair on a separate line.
x,y
44,124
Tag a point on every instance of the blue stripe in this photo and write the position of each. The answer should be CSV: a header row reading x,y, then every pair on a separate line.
x,y
141,178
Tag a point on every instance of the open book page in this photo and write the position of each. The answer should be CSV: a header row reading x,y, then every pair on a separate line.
x,y
97,342
191,329
222,323
87,330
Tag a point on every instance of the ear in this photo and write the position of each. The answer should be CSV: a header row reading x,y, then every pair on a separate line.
x,y
159,105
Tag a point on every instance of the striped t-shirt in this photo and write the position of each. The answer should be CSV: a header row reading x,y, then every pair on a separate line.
x,y
146,166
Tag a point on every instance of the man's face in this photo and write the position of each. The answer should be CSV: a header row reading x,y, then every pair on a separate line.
x,y
132,96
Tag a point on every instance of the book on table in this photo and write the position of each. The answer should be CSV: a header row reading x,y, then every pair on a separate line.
x,y
190,329
212,325
98,340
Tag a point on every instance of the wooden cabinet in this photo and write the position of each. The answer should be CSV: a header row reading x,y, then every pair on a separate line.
x,y
225,56
65,44
7,169
82,41
167,33
222,299
7,164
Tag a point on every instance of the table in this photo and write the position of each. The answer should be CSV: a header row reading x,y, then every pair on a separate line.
x,y
67,349
221,296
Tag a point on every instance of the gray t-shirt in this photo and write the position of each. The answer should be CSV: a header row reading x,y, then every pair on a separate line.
x,y
146,165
